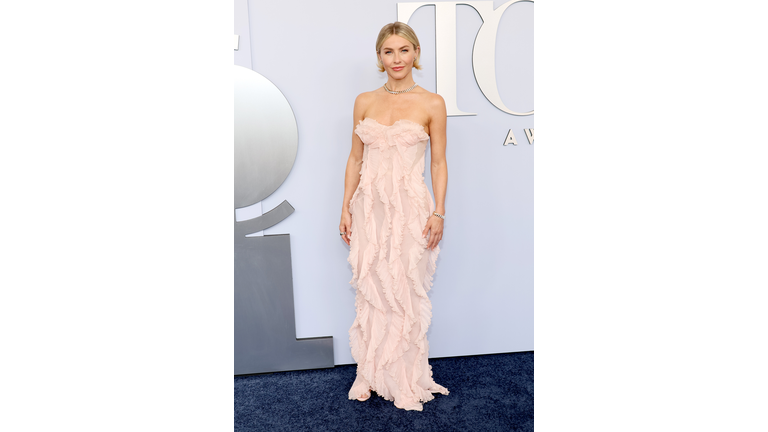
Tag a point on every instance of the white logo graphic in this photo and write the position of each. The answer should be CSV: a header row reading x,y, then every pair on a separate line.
x,y
483,52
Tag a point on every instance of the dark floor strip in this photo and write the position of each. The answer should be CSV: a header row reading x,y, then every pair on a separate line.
x,y
488,393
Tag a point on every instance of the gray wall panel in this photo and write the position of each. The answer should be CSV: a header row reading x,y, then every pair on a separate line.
x,y
265,330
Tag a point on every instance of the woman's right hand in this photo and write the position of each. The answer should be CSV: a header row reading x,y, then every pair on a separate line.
x,y
345,226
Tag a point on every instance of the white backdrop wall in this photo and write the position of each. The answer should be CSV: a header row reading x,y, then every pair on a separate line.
x,y
321,55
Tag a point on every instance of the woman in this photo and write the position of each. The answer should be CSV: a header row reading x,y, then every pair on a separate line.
x,y
393,227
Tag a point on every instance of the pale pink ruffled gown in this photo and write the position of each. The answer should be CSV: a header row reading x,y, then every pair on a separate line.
x,y
391,266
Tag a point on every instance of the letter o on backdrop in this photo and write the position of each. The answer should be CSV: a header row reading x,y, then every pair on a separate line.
x,y
266,137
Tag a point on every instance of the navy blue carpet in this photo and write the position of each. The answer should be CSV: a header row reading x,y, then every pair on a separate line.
x,y
488,393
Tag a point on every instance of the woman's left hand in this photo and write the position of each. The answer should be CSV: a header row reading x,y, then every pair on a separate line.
x,y
435,229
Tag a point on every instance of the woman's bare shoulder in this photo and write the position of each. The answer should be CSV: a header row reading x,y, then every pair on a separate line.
x,y
362,102
431,99
364,99
434,98
370,94
434,103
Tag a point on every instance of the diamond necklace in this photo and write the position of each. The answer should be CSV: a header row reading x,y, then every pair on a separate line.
x,y
401,91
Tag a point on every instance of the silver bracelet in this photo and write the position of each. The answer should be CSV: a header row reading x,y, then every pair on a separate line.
x,y
439,215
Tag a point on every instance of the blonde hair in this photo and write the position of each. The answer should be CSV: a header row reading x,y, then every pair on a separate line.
x,y
404,31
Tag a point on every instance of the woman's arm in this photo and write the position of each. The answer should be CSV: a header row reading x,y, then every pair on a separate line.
x,y
352,172
438,168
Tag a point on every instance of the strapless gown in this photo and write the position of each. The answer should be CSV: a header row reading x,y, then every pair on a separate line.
x,y
391,266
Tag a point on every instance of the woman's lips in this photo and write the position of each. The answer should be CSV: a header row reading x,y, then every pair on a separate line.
x,y
398,68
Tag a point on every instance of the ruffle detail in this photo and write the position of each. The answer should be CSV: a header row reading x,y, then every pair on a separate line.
x,y
367,132
390,272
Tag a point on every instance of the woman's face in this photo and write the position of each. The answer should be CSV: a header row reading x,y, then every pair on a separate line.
x,y
397,55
